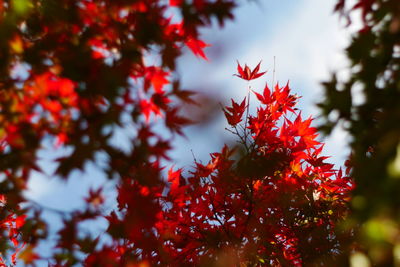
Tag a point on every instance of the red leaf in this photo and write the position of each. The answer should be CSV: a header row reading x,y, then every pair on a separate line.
x,y
175,2
157,77
174,177
20,221
147,107
234,114
247,74
197,47
175,122
266,97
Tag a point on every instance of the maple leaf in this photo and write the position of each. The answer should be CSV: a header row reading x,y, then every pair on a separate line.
x,y
197,47
20,221
160,100
247,74
156,77
234,114
176,180
174,177
265,98
174,121
302,127
184,95
95,197
148,107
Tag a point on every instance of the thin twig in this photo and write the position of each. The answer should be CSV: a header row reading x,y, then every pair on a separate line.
x,y
244,141
194,157
273,74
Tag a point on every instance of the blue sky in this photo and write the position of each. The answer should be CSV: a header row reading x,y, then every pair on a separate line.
x,y
305,38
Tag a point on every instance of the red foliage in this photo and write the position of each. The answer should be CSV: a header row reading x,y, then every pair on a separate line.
x,y
277,205
10,227
87,71
71,69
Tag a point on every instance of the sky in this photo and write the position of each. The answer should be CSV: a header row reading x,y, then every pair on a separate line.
x,y
305,38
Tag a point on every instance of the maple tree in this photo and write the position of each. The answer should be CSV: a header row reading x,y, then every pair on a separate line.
x,y
276,204
367,105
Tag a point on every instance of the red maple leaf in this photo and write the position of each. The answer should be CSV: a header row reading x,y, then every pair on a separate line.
x,y
247,74
197,47
234,114
265,98
157,77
